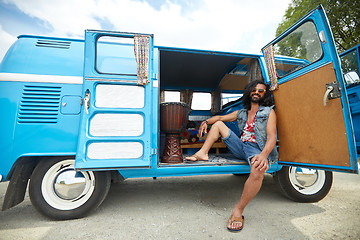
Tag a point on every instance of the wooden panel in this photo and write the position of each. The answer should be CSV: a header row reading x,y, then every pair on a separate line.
x,y
200,144
308,131
216,145
233,82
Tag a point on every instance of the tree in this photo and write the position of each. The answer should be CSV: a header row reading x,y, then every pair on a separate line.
x,y
344,18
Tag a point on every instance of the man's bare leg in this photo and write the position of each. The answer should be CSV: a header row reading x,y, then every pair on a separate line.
x,y
251,188
218,128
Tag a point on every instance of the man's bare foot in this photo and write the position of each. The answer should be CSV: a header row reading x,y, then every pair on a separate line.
x,y
235,224
198,157
236,221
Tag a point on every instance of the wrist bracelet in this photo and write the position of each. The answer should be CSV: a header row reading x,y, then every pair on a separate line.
x,y
206,122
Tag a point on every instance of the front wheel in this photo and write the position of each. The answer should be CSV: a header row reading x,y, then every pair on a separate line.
x,y
304,184
59,192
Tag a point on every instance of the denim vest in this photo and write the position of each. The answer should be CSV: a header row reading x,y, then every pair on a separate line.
x,y
261,118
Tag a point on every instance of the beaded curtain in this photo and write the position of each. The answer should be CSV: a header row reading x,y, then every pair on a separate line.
x,y
270,64
142,52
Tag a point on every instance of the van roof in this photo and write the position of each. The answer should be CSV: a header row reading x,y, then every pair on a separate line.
x,y
196,69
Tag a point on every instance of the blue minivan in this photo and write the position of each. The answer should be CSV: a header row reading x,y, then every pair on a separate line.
x,y
78,115
350,64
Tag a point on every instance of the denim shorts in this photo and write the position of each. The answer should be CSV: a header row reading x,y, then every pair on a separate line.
x,y
240,149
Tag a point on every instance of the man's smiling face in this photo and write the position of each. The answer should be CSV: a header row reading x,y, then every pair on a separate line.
x,y
258,93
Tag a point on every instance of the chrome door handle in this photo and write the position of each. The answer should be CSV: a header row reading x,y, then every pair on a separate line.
x,y
328,90
87,101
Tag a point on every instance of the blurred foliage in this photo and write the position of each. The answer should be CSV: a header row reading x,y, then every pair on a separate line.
x,y
302,43
344,18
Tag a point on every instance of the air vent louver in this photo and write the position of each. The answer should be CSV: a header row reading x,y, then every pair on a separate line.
x,y
53,44
39,104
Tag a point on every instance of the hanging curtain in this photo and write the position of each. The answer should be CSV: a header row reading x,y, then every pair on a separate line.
x,y
216,103
270,65
254,71
186,96
142,52
162,96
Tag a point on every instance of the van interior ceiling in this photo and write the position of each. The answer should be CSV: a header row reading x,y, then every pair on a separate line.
x,y
206,71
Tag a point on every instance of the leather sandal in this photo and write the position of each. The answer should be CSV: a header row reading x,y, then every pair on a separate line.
x,y
236,220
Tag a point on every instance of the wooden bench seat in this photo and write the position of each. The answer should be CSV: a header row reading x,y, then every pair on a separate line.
x,y
216,145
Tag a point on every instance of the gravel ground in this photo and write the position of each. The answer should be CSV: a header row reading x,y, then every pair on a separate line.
x,y
196,208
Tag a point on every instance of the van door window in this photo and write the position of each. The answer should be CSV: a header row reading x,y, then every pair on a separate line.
x,y
115,55
298,49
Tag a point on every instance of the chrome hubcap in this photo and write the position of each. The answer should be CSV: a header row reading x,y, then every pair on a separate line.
x,y
69,184
306,177
65,189
307,181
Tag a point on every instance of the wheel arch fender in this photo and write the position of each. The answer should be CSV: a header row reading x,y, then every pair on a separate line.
x,y
19,176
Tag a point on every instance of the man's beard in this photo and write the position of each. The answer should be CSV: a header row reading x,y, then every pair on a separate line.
x,y
256,100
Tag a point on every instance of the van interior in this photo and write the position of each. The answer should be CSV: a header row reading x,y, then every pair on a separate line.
x,y
209,83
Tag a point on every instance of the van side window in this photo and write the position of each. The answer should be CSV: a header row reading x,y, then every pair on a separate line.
x,y
230,97
350,67
172,96
201,101
298,49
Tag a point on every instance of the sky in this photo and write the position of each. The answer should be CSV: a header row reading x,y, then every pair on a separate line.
x,y
221,25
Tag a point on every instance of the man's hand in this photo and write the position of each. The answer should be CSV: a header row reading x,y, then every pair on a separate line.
x,y
260,162
203,128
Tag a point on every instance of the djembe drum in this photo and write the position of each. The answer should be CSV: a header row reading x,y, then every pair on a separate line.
x,y
173,120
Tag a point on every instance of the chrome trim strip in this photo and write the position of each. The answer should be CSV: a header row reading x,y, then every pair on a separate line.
x,y
111,80
19,77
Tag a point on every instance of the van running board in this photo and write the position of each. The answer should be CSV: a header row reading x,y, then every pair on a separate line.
x,y
214,160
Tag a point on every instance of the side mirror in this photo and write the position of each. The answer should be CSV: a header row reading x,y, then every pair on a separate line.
x,y
351,77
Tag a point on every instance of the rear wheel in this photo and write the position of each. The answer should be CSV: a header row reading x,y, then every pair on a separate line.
x,y
59,192
304,184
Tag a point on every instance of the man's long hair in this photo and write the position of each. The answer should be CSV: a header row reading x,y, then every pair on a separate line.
x,y
267,100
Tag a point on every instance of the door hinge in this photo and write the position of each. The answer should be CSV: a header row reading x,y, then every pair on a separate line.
x,y
154,151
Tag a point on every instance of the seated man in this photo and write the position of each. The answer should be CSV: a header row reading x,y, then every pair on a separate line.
x,y
257,124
